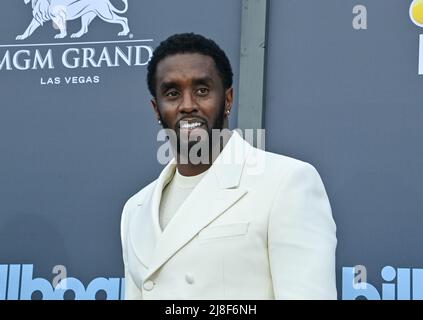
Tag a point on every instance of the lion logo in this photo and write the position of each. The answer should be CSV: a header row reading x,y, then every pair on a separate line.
x,y
60,11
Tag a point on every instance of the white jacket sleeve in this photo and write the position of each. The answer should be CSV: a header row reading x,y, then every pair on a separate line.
x,y
302,238
132,292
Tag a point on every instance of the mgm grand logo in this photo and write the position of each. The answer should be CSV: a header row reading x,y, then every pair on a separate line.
x,y
123,51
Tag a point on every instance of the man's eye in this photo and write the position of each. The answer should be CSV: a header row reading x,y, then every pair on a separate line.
x,y
172,94
203,91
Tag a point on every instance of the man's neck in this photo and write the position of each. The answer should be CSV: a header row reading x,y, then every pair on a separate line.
x,y
190,170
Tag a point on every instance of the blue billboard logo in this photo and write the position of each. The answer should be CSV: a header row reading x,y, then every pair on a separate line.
x,y
17,283
402,284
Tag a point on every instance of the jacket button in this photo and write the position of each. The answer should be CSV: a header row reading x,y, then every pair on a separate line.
x,y
148,285
189,278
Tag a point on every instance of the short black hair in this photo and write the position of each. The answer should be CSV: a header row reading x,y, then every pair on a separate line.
x,y
189,43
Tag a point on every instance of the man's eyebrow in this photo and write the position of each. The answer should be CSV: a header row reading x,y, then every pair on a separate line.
x,y
166,85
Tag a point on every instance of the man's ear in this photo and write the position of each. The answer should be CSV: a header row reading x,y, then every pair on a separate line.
x,y
229,99
155,108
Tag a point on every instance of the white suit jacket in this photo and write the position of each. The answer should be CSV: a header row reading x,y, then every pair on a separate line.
x,y
257,226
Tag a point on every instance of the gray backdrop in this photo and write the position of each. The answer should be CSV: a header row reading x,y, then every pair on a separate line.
x,y
350,103
346,101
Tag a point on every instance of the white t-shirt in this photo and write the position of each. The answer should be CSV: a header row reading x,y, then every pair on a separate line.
x,y
174,194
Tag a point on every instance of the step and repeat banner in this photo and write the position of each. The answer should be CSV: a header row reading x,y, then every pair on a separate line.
x,y
78,134
344,93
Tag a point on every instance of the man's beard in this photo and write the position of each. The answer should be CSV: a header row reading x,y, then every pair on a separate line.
x,y
207,139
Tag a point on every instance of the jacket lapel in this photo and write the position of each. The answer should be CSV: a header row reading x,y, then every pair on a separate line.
x,y
216,193
145,229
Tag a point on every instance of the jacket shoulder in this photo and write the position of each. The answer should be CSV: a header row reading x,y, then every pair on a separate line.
x,y
139,197
132,203
280,164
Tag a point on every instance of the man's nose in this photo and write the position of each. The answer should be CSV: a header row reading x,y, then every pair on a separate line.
x,y
188,104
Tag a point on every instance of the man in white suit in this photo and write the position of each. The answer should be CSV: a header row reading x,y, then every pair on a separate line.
x,y
248,224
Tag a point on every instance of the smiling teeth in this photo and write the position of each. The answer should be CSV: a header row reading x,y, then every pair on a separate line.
x,y
191,125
